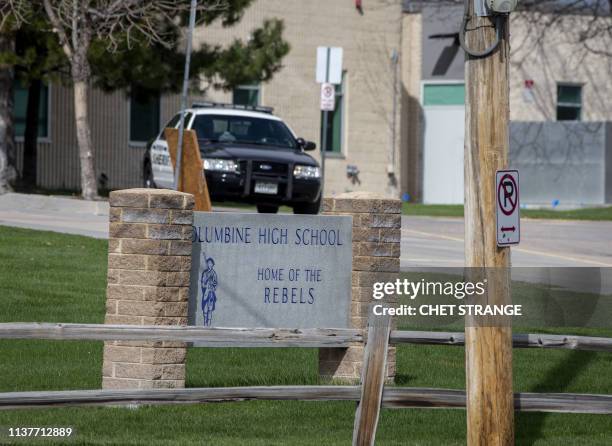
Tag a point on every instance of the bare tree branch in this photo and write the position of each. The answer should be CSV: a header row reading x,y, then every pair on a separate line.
x,y
117,22
58,28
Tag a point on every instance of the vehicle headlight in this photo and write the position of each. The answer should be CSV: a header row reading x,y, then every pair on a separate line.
x,y
162,159
306,172
220,165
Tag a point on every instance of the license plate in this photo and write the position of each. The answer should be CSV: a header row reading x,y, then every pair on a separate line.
x,y
266,188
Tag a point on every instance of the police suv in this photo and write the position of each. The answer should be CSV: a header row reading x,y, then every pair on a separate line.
x,y
250,156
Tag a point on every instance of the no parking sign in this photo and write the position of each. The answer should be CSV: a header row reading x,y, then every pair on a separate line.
x,y
508,207
328,97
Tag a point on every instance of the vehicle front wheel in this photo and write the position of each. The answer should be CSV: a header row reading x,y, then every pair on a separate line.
x,y
267,209
307,208
147,176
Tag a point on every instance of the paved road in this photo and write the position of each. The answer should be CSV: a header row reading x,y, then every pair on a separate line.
x,y
438,242
426,241
429,243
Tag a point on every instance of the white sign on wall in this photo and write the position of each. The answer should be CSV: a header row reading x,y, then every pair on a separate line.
x,y
508,207
328,97
329,65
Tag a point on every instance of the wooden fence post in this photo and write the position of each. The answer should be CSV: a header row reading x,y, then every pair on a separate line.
x,y
372,380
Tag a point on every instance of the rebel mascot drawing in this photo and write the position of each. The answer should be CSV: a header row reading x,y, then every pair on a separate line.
x,y
208,284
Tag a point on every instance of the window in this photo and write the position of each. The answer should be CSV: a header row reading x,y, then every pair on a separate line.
x,y
334,121
144,116
21,108
246,95
173,123
243,130
569,102
443,94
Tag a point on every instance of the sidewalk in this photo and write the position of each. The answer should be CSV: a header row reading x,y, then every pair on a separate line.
x,y
61,214
55,213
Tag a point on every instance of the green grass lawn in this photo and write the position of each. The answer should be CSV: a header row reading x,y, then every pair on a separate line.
x,y
61,278
452,210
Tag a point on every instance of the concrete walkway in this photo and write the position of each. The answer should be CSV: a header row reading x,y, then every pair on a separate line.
x,y
69,215
55,213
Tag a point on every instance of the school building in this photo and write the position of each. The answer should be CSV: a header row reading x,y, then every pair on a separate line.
x,y
399,120
560,96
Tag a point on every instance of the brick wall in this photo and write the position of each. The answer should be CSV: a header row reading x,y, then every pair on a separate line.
x,y
149,263
368,41
558,56
376,258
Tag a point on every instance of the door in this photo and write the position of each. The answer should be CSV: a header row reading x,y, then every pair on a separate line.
x,y
444,130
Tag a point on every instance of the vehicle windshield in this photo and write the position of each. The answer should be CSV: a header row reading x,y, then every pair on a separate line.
x,y
243,130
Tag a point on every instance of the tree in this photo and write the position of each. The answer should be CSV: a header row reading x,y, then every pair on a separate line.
x,y
542,15
8,171
7,142
593,35
129,67
37,59
115,43
77,23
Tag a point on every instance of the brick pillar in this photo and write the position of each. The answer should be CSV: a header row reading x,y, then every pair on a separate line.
x,y
376,258
149,262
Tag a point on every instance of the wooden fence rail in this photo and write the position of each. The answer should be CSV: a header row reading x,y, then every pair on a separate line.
x,y
392,397
205,337
371,395
570,342
265,337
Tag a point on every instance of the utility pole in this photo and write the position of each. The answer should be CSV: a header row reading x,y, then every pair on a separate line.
x,y
488,343
184,92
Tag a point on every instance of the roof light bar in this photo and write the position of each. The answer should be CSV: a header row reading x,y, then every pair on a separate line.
x,y
256,108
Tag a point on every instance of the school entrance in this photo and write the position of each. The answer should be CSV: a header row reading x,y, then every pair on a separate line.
x,y
444,123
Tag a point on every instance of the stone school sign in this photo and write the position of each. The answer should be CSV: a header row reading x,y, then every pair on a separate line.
x,y
275,271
